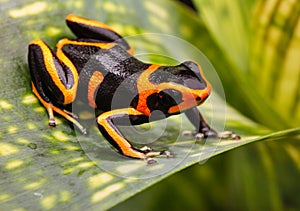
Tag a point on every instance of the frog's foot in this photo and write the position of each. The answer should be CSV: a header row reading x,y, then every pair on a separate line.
x,y
212,134
151,153
52,122
228,135
68,115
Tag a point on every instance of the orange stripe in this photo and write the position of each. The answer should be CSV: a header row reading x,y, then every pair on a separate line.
x,y
204,93
77,19
130,51
94,83
208,85
69,94
124,145
146,88
102,45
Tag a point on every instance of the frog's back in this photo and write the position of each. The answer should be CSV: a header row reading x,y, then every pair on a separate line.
x,y
107,76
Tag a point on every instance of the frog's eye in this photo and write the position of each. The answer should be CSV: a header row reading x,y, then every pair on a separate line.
x,y
170,97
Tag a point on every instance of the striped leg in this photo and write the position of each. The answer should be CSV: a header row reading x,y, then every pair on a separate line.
x,y
116,138
95,30
54,80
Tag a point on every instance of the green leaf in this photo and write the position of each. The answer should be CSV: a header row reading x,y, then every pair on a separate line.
x,y
262,45
46,168
276,53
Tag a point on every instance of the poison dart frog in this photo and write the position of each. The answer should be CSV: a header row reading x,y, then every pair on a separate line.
x,y
100,64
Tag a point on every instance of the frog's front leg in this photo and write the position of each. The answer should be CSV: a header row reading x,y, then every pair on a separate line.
x,y
203,130
109,130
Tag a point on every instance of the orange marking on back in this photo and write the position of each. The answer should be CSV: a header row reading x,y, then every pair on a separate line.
x,y
102,45
77,19
146,88
94,83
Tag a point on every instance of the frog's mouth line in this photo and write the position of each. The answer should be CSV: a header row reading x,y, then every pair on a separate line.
x,y
199,96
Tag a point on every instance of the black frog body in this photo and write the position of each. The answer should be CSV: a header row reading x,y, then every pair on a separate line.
x,y
100,66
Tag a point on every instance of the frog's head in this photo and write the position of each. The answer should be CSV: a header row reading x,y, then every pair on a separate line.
x,y
172,89
192,86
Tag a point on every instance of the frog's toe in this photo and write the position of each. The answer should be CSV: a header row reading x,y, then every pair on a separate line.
x,y
199,136
151,153
228,135
168,154
211,134
84,131
146,149
150,161
52,122
158,153
188,133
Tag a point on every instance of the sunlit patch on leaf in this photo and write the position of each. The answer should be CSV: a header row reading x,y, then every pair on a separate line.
x,y
129,168
7,149
60,135
12,129
78,167
4,197
48,202
65,196
99,180
106,192
34,185
28,10
53,31
5,105
29,99
23,141
14,164
31,125
39,109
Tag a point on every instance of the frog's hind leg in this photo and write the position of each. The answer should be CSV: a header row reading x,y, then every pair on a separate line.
x,y
106,124
54,80
91,29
